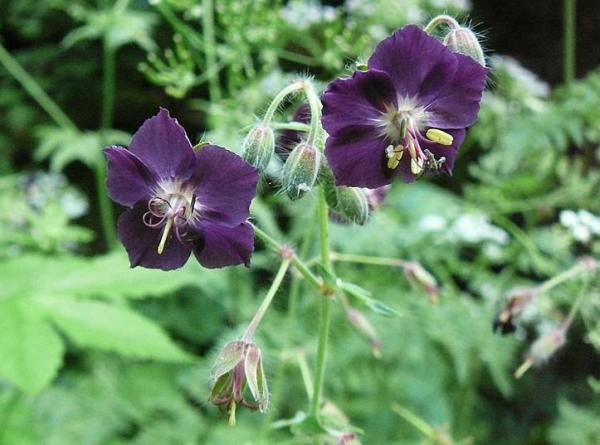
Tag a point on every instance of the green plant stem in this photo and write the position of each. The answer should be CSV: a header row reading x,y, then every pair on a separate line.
x,y
325,308
314,104
567,275
106,122
415,421
569,47
210,48
371,260
30,85
276,102
260,313
296,262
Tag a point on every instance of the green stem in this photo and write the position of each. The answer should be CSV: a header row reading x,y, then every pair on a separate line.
x,y
30,85
296,262
567,275
314,104
415,421
450,22
371,260
305,373
325,308
569,17
260,313
210,48
109,70
276,102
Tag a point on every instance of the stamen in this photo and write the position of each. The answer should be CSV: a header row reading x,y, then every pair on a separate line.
x,y
165,235
439,136
394,156
416,166
403,127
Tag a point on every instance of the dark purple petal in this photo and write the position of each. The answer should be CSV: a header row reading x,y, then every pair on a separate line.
x,y
357,158
357,101
457,104
419,65
220,246
290,138
141,242
449,152
129,180
161,142
225,185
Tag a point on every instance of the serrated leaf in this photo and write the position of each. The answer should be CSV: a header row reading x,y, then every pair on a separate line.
x,y
113,328
30,350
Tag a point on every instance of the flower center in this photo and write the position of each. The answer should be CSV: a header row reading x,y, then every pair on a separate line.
x,y
402,126
172,207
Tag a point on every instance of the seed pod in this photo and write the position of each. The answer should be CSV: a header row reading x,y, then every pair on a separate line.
x,y
300,170
463,41
259,146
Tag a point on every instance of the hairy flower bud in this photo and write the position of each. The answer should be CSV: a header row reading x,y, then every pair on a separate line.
x,y
464,41
259,146
543,348
352,205
300,170
517,301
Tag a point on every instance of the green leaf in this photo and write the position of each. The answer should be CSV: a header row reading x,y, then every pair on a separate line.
x,y
364,296
31,350
108,327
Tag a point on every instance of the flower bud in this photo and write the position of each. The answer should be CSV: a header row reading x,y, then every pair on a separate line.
x,y
239,366
543,348
364,327
517,301
463,41
259,146
417,274
352,205
300,170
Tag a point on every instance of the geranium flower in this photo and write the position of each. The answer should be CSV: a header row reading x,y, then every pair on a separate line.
x,y
181,201
406,115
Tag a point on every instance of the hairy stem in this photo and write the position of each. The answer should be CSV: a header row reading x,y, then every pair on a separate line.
x,y
210,48
569,36
277,100
325,308
260,313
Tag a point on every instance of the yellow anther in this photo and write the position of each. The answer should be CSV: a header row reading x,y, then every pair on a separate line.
x,y
394,156
403,127
165,235
439,136
416,166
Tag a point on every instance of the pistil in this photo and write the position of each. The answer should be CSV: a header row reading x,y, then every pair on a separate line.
x,y
165,235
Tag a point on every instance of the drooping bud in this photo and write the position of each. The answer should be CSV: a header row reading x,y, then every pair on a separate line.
x,y
418,275
259,146
543,348
352,205
464,41
300,170
364,327
239,366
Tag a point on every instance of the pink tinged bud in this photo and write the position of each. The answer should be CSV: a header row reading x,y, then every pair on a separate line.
x,y
259,146
364,327
543,349
464,41
417,274
300,170
256,378
517,301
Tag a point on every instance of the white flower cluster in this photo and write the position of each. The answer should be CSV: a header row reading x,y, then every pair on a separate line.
x,y
582,224
470,228
303,14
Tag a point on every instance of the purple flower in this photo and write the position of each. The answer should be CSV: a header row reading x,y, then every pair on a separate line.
x,y
181,201
406,115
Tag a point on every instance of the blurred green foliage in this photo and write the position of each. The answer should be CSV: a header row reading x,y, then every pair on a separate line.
x,y
93,352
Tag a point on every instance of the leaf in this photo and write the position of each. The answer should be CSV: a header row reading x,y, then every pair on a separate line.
x,y
108,276
364,296
108,327
30,350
